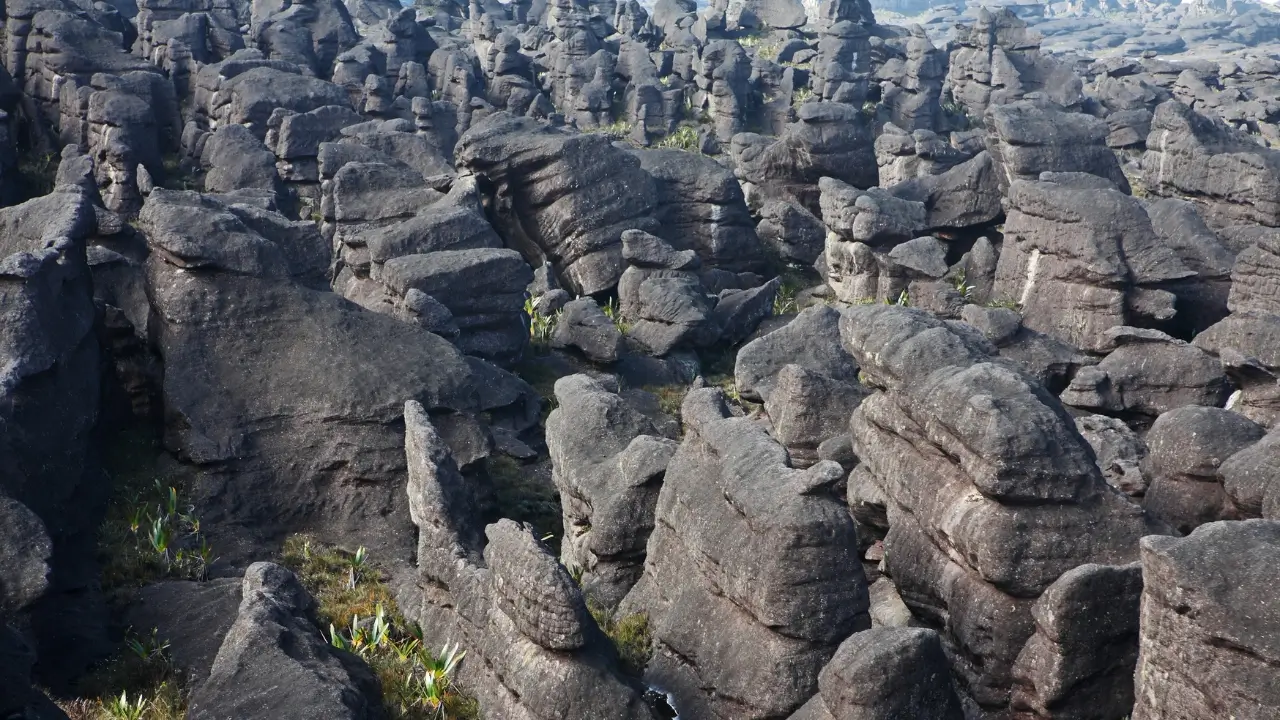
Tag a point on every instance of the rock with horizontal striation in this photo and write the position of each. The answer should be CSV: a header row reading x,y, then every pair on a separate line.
x,y
885,673
1080,661
323,437
1080,258
608,461
1027,138
1233,180
533,651
991,493
572,195
1210,623
752,565
1148,373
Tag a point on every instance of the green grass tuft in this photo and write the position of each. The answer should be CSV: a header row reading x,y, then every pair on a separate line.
x,y
630,635
684,138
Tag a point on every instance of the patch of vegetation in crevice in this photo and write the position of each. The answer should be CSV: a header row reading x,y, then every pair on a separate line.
x,y
525,493
356,604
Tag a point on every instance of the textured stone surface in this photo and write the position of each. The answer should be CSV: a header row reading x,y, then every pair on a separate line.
x,y
1209,623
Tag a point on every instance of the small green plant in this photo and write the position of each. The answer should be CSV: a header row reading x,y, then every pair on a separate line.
x,y
801,96
1005,302
172,546
139,683
784,301
904,300
122,708
962,287
614,313
418,683
541,327
356,566
869,109
684,138
147,649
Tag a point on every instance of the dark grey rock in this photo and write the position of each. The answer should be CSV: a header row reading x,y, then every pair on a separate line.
x,y
810,340
608,462
1080,661
276,663
751,564
1187,447
582,325
1209,623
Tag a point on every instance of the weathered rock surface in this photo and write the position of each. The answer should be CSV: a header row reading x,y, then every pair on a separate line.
x,y
1188,445
608,462
561,196
224,301
1209,623
1232,179
980,506
1080,661
534,652
752,567
1080,258
885,673
274,643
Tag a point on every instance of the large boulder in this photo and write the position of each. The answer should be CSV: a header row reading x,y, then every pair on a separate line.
x,y
827,140
534,652
1234,180
1080,257
811,341
51,482
701,207
290,398
1210,624
1080,661
1251,478
991,493
608,462
1188,445
1027,138
882,674
1148,373
276,663
565,197
752,568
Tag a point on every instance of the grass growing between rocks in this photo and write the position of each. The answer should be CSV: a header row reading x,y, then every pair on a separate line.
x,y
670,397
630,636
362,618
684,138
150,532
525,496
619,130
140,683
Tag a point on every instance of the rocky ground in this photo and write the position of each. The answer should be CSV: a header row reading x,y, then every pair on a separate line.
x,y
577,360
